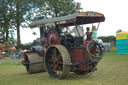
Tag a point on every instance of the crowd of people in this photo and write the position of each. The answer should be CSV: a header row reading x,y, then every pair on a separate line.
x,y
15,55
13,52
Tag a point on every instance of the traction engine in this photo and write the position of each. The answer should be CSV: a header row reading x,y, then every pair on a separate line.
x,y
60,54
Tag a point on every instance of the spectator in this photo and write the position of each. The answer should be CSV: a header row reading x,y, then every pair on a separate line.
x,y
20,54
13,54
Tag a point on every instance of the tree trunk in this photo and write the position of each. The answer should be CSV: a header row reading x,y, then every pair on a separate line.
x,y
2,35
18,36
18,25
7,33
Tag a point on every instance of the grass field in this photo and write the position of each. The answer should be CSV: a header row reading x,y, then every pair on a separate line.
x,y
112,70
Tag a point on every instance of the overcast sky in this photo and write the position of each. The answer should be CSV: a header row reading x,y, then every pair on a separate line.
x,y
115,12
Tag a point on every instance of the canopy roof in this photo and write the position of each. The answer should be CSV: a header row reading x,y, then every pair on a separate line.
x,y
78,18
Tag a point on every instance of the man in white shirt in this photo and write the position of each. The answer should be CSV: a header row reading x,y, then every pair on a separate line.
x,y
77,30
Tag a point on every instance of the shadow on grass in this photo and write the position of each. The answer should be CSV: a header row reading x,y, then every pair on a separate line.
x,y
73,76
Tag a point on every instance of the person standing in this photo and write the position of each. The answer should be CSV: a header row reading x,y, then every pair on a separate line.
x,y
89,36
94,32
13,54
20,54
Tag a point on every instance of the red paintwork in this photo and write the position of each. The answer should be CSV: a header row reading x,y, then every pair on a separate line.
x,y
78,56
86,42
53,37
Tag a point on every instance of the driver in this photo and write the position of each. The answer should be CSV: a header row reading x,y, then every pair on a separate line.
x,y
77,30
78,33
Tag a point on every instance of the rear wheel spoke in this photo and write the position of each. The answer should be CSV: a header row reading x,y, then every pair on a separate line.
x,y
54,61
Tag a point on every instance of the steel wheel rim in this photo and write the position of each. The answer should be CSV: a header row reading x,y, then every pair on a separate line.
x,y
97,56
55,63
57,67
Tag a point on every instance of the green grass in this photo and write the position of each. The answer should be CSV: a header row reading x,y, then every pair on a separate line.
x,y
112,70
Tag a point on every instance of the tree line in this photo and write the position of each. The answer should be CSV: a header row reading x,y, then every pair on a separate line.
x,y
108,38
17,14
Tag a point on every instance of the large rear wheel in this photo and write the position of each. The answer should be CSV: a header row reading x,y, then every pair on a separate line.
x,y
56,61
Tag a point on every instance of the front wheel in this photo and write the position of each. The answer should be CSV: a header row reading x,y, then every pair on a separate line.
x,y
34,63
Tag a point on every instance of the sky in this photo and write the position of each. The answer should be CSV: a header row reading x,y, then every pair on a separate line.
x,y
115,12
27,36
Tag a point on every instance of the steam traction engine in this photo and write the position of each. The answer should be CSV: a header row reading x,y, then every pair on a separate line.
x,y
61,53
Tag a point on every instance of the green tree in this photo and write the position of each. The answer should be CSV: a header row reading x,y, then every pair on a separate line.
x,y
108,38
6,14
12,40
22,9
55,8
16,13
1,35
